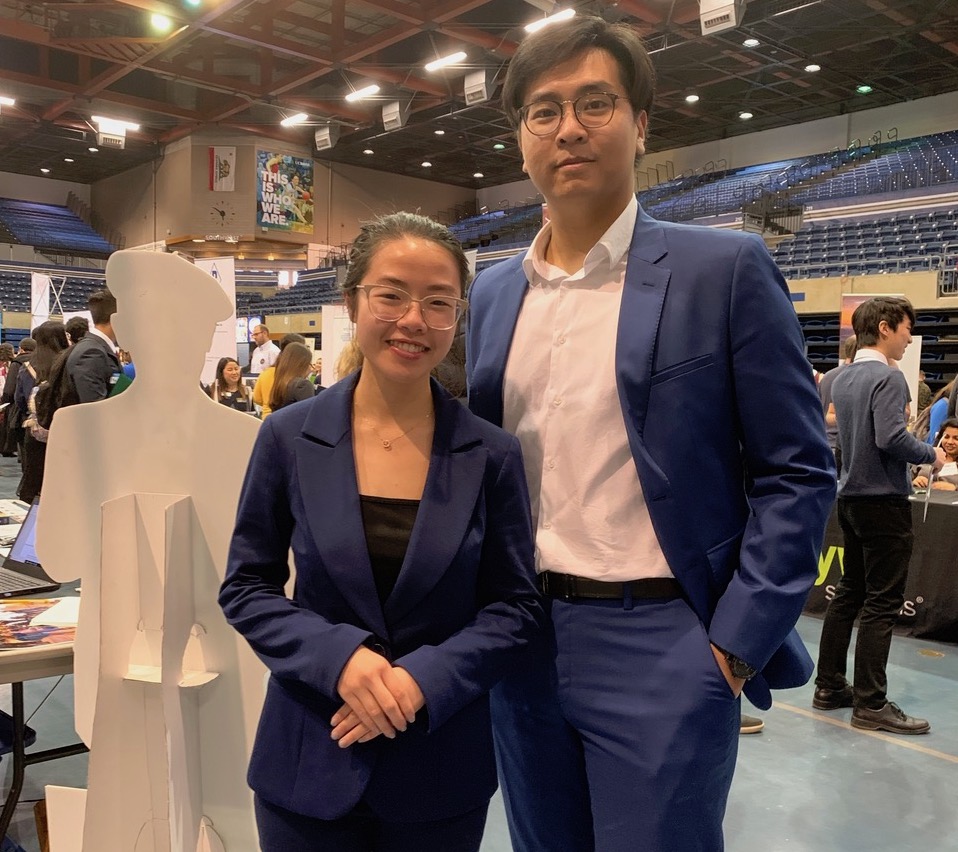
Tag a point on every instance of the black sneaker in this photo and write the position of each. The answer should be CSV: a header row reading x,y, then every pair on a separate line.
x,y
890,718
832,699
750,725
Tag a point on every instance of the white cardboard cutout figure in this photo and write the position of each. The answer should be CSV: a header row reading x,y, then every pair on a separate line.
x,y
138,501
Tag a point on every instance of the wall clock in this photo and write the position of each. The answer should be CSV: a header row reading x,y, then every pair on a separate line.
x,y
221,213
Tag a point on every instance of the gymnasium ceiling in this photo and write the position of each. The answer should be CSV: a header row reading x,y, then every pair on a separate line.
x,y
242,65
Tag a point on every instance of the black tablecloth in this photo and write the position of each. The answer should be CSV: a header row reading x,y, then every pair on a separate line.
x,y
931,594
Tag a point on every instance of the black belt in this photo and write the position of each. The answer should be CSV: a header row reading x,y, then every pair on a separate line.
x,y
570,587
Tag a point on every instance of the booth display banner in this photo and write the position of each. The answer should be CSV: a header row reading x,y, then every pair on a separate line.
x,y
39,299
224,338
284,192
930,610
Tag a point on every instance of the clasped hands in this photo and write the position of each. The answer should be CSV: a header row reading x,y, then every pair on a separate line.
x,y
380,699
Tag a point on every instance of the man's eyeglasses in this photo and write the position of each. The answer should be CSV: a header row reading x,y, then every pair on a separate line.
x,y
592,110
391,304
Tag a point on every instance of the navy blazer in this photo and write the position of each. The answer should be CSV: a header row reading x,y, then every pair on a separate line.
x,y
464,605
724,424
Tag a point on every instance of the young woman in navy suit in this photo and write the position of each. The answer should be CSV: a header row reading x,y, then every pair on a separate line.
x,y
409,523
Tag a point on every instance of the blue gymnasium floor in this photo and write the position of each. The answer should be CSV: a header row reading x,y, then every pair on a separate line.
x,y
808,783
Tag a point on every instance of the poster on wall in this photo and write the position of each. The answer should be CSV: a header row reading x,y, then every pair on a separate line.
x,y
223,169
284,192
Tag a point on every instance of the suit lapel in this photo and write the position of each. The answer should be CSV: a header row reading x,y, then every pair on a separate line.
x,y
643,297
327,479
501,317
456,469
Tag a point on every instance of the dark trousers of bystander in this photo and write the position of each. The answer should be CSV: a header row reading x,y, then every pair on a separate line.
x,y
878,544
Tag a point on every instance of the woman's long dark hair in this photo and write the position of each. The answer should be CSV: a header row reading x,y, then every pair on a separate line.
x,y
51,338
293,363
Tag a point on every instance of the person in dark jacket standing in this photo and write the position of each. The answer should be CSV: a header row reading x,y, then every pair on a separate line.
x,y
93,364
13,437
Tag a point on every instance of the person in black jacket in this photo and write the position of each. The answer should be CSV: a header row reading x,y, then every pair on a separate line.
x,y
51,341
13,435
93,364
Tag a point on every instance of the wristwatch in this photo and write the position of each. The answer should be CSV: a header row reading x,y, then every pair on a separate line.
x,y
739,667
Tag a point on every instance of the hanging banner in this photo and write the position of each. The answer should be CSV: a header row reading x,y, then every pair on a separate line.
x,y
39,299
284,192
222,169
224,338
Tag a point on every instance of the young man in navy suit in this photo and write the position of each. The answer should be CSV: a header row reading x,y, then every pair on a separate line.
x,y
679,474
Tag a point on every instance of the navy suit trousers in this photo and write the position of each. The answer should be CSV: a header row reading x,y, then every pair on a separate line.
x,y
619,733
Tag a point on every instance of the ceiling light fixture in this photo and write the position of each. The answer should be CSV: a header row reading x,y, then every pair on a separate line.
x,y
160,22
478,175
426,164
864,89
443,62
293,120
368,151
439,132
364,92
5,101
691,99
751,42
811,68
93,149
45,171
745,116
68,159
114,125
498,146
564,15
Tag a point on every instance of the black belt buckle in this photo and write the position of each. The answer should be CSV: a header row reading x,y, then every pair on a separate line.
x,y
558,585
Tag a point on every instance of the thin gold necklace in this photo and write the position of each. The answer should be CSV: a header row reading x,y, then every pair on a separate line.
x,y
388,444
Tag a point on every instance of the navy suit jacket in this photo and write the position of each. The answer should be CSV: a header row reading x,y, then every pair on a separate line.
x,y
723,421
462,609
92,365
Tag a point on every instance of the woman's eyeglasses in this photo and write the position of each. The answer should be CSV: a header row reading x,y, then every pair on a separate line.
x,y
391,304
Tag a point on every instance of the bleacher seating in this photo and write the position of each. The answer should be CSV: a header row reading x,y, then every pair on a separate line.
x,y
310,293
902,242
53,228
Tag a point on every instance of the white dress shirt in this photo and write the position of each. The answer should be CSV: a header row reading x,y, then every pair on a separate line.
x,y
262,357
560,400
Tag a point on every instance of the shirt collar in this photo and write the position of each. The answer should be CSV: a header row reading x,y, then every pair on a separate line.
x,y
870,355
97,333
610,249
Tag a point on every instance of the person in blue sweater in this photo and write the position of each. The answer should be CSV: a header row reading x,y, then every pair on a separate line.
x,y
870,398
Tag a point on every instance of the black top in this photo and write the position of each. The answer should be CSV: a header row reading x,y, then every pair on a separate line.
x,y
388,523
298,390
234,399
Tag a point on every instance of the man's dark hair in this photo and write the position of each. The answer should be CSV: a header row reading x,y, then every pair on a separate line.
x,y
102,306
292,337
76,328
559,42
28,344
869,315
